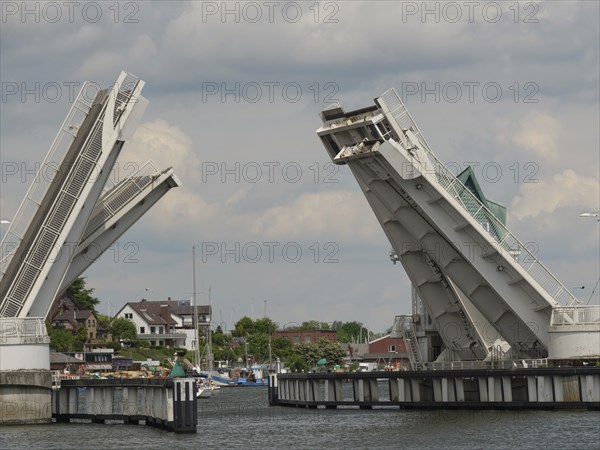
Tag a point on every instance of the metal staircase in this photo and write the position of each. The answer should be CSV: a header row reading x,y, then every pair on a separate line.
x,y
412,344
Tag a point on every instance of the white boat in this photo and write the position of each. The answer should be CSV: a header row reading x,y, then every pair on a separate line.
x,y
218,379
203,390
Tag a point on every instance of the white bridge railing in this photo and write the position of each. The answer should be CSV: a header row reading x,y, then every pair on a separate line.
x,y
27,330
575,315
451,184
489,364
45,175
116,198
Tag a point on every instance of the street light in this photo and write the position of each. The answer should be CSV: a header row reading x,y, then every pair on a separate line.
x,y
591,214
597,216
573,289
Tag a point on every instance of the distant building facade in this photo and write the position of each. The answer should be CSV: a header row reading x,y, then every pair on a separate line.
x,y
66,363
167,323
66,314
388,353
305,336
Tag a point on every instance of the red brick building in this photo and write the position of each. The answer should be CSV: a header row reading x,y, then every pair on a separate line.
x,y
305,336
389,353
387,344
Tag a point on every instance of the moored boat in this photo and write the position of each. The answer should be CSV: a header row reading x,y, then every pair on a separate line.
x,y
203,389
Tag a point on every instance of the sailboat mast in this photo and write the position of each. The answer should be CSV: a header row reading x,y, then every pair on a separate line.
x,y
195,318
209,353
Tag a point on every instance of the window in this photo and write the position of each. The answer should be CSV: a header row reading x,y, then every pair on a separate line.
x,y
128,315
296,338
153,330
391,348
306,338
142,330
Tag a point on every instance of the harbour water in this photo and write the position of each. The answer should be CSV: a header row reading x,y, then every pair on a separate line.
x,y
241,418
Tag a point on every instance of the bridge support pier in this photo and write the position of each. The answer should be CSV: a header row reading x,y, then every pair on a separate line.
x,y
25,377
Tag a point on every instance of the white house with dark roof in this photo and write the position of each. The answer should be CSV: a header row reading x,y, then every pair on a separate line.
x,y
166,323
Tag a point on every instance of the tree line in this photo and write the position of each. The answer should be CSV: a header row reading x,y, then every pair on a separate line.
x,y
250,338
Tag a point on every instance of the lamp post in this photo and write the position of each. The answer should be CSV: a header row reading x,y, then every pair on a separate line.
x,y
574,288
595,214
591,214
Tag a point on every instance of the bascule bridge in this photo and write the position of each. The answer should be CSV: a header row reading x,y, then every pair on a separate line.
x,y
489,297
71,214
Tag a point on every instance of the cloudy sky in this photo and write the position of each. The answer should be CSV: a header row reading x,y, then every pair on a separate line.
x,y
235,89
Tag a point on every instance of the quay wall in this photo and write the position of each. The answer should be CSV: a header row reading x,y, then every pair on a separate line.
x,y
541,388
168,403
25,376
25,396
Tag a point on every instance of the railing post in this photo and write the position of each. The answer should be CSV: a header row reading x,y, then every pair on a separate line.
x,y
273,390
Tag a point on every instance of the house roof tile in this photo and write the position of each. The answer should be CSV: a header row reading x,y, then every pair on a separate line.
x,y
150,311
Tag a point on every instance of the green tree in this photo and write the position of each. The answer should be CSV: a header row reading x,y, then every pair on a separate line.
x,y
311,352
308,352
246,326
308,325
264,326
257,333
258,345
222,346
331,351
80,338
103,319
297,363
281,347
243,327
82,295
122,328
66,341
60,340
218,337
351,332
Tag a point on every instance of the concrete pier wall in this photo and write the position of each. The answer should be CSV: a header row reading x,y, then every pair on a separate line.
x,y
25,397
161,402
547,388
25,377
